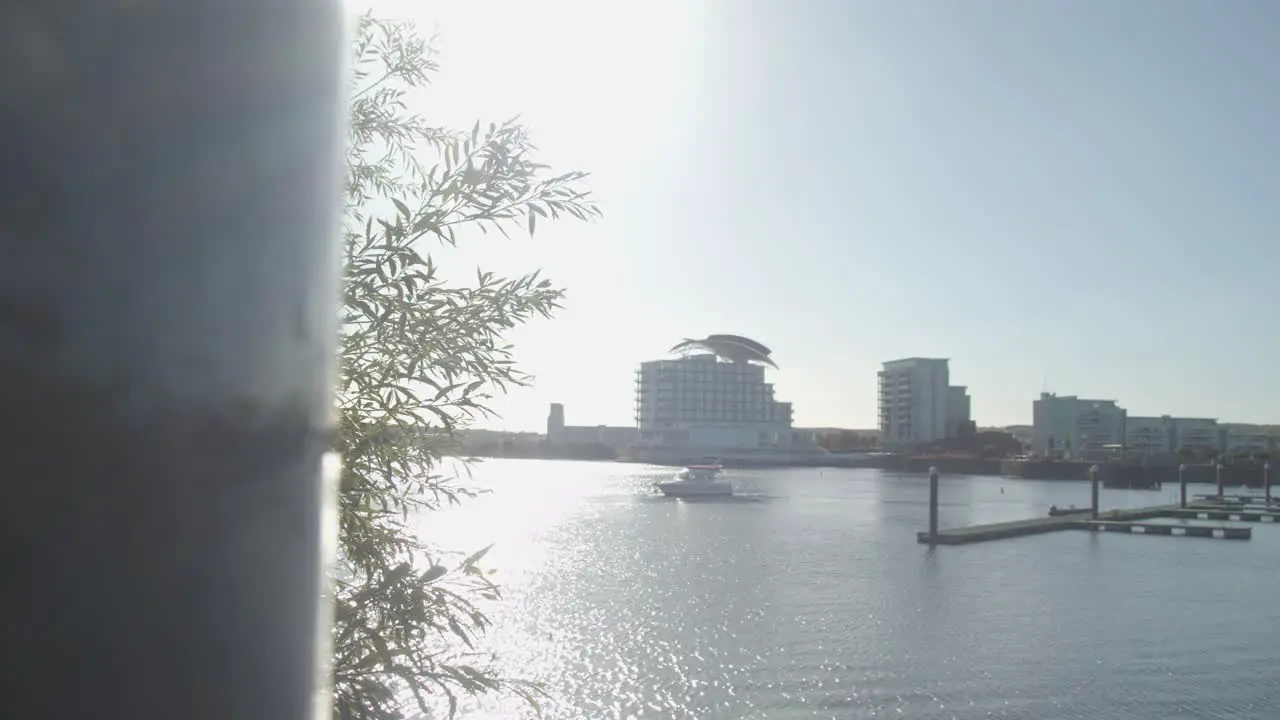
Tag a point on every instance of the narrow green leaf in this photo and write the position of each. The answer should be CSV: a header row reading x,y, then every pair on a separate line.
x,y
399,629
476,556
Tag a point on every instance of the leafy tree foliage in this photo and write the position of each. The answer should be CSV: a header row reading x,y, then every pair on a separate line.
x,y
420,358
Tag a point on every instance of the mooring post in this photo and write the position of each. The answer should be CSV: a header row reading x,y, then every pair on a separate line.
x,y
168,338
1182,484
933,503
1093,480
1266,480
1218,468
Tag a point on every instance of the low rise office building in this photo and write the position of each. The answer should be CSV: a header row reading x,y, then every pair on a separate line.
x,y
1076,428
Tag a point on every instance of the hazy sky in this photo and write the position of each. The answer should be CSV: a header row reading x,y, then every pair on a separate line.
x,y
1078,196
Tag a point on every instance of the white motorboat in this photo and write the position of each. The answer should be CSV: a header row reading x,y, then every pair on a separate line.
x,y
697,481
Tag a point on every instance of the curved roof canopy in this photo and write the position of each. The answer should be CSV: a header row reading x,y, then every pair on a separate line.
x,y
733,348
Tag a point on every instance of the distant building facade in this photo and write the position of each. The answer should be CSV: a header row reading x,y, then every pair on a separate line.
x,y
1246,439
714,398
1198,436
555,423
1074,427
617,438
1149,439
913,397
1025,434
845,439
958,410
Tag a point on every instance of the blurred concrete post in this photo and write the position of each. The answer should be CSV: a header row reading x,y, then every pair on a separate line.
x,y
1093,481
1182,483
933,503
168,216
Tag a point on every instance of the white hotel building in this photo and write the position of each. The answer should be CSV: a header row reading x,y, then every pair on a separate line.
x,y
715,398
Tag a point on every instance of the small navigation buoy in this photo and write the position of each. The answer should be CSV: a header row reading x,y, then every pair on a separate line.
x,y
1001,489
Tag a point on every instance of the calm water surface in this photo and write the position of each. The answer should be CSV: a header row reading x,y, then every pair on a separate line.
x,y
808,597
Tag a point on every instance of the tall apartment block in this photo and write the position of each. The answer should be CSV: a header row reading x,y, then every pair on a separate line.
x,y
914,397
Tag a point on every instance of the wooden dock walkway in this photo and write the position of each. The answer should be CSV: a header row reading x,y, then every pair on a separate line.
x,y
996,531
1241,499
1142,528
1111,521
1200,512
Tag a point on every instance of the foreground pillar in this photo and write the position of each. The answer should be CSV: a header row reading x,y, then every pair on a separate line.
x,y
168,216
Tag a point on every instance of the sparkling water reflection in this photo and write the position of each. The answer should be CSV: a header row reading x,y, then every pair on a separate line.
x,y
808,597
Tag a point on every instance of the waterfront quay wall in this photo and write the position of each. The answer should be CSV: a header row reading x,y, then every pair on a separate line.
x,y
747,459
1250,475
731,458
1044,470
945,465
